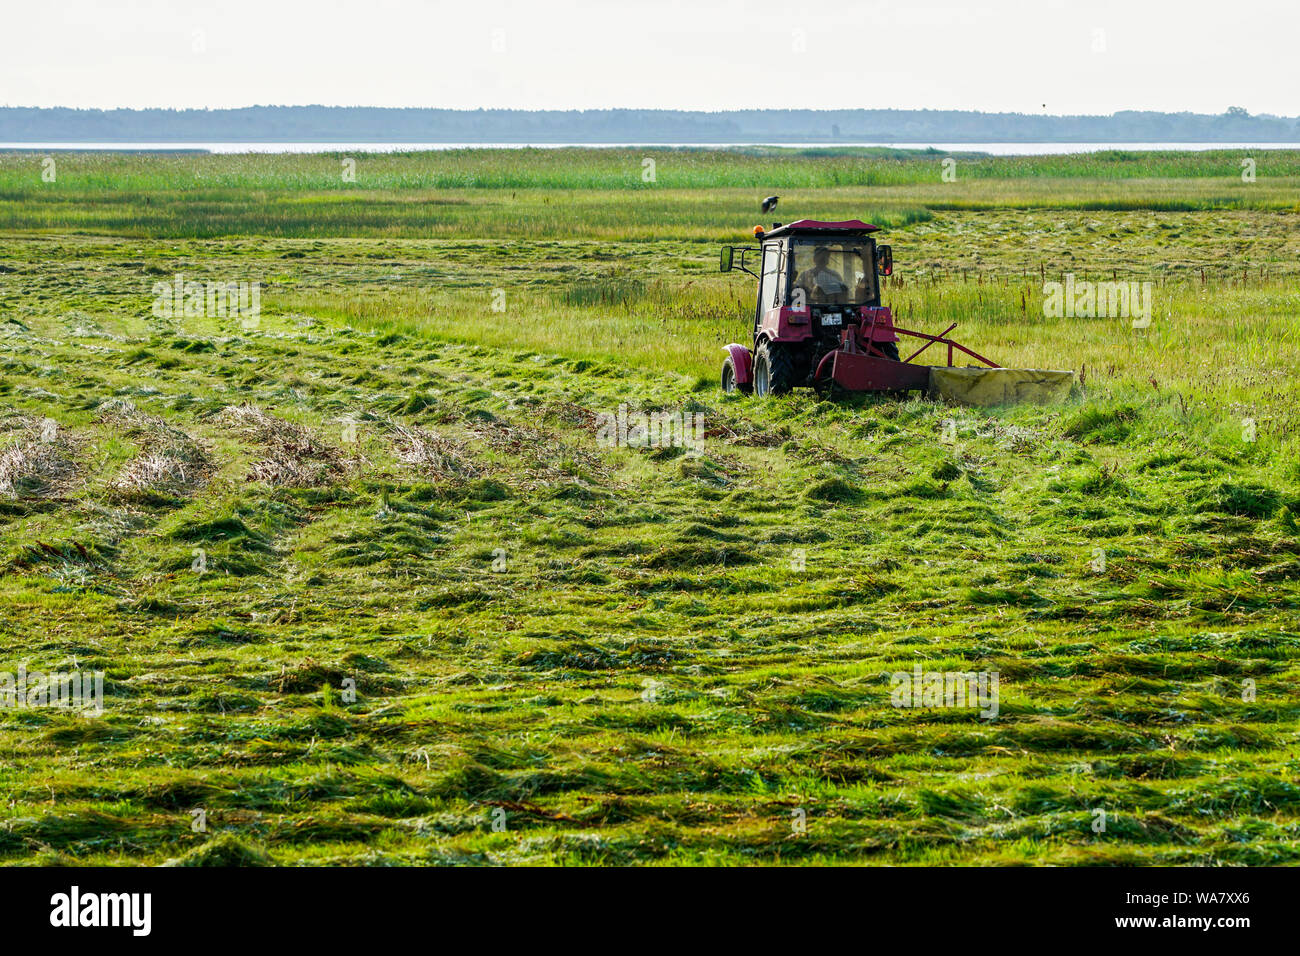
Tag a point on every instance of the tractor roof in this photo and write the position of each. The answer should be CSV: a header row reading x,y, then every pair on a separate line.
x,y
815,227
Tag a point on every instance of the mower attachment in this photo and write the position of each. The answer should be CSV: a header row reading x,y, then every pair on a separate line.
x,y
859,372
1000,386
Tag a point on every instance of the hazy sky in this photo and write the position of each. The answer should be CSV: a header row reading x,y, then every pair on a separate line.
x,y
1076,57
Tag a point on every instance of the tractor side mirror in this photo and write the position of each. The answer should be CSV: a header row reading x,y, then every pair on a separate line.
x,y
727,253
884,261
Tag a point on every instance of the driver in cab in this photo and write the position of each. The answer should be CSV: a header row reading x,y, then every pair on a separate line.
x,y
821,282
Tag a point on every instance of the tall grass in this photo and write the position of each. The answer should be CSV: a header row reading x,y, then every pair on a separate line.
x,y
694,193
527,214
605,168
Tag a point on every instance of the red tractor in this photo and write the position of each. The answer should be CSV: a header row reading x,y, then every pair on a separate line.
x,y
819,320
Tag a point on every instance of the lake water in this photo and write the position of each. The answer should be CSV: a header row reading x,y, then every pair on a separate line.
x,y
996,149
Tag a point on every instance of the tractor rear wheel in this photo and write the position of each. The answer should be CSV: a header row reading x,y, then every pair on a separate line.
x,y
888,349
773,369
729,383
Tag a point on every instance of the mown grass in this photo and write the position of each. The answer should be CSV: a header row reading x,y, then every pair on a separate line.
x,y
633,656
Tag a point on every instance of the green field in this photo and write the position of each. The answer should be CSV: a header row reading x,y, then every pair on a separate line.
x,y
569,653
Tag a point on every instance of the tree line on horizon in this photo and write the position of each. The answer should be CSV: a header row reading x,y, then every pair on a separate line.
x,y
381,124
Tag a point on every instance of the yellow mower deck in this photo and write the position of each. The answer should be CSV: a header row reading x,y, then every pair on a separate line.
x,y
1000,386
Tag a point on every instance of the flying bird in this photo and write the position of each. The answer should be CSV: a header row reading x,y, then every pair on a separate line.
x,y
770,203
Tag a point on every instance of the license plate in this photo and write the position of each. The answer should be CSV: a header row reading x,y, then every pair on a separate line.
x,y
834,319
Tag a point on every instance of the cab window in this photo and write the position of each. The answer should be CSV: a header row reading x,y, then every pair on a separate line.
x,y
773,277
840,272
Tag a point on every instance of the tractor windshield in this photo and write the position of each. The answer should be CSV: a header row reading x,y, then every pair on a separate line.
x,y
835,272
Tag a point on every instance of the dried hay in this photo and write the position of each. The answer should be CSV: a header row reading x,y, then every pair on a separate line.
x,y
170,460
41,462
293,456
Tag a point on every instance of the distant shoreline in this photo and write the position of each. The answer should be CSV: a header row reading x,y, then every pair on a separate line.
x,y
356,125
1005,148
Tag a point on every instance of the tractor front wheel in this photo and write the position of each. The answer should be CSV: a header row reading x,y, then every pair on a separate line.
x,y
729,383
773,369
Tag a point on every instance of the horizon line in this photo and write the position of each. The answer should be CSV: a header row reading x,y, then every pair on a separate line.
x,y
643,109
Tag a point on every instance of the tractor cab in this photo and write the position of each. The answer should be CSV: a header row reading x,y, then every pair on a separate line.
x,y
814,265
817,267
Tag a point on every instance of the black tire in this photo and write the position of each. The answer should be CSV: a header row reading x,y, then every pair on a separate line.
x,y
889,349
729,383
773,369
